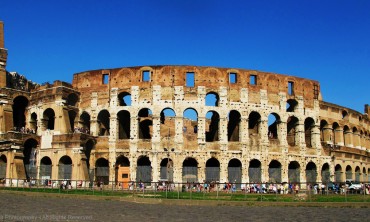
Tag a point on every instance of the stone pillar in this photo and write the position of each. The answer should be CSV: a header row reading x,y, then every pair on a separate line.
x,y
201,171
245,173
201,129
133,167
243,130
113,135
155,167
338,137
282,136
315,139
179,125
263,132
156,130
348,139
113,102
94,125
327,134
223,172
300,138
222,130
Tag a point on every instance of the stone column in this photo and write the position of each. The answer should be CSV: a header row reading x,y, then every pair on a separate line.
x,y
338,137
243,130
201,129
222,130
155,167
156,130
223,172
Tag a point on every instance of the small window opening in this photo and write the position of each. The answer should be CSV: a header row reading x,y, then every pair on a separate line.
x,y
253,80
290,88
105,79
146,76
232,78
125,175
190,79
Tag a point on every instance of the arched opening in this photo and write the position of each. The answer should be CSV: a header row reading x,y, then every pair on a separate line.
x,y
309,124
311,172
212,99
337,133
103,121
347,135
344,114
72,99
212,170
30,158
124,99
275,172
254,171
234,170
65,168
291,105
122,171
294,172
33,123
167,124
357,174
49,119
45,170
145,124
273,126
254,123
325,173
190,121
72,117
355,137
20,104
190,170
124,124
325,131
233,126
212,126
3,161
349,173
102,171
338,173
144,170
84,123
166,173
292,131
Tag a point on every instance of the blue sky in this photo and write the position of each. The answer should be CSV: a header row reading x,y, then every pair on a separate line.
x,y
324,40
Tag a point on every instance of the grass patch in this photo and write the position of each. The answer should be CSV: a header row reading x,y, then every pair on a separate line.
x,y
222,196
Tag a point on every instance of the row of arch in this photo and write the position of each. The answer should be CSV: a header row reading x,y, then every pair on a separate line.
x,y
212,131
190,167
344,135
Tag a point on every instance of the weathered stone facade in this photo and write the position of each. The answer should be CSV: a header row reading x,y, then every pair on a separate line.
x,y
179,123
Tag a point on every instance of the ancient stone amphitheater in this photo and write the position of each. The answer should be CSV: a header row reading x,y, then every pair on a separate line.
x,y
178,123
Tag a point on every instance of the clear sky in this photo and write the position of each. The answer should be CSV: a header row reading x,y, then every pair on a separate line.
x,y
324,40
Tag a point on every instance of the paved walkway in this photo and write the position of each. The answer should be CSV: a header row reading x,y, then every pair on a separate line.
x,y
40,207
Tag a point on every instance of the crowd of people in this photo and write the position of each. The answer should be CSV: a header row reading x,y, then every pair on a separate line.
x,y
81,130
24,130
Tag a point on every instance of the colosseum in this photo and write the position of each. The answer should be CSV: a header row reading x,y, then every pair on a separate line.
x,y
177,123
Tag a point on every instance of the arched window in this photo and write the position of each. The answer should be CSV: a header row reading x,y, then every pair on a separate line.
x,y
233,126
212,126
212,99
145,123
104,123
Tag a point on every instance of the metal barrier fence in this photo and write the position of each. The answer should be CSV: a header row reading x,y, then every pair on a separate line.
x,y
215,191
